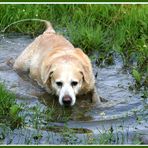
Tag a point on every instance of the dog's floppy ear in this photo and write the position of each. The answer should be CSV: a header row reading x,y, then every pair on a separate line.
x,y
47,74
86,74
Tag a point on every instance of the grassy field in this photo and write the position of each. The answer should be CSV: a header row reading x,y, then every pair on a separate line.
x,y
107,29
103,28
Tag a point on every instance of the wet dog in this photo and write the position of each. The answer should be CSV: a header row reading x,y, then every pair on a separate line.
x,y
59,67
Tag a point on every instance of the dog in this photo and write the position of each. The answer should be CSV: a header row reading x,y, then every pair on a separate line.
x,y
55,64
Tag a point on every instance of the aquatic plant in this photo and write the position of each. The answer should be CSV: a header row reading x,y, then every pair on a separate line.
x,y
137,76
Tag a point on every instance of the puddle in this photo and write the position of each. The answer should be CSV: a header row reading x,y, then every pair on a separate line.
x,y
120,112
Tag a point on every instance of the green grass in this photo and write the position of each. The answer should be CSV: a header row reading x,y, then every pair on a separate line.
x,y
9,110
103,28
6,101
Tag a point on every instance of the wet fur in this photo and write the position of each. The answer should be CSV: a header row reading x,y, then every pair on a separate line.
x,y
42,57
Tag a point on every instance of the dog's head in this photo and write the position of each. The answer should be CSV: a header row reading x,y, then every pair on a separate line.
x,y
66,79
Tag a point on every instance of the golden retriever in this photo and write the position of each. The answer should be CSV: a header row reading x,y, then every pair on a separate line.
x,y
59,67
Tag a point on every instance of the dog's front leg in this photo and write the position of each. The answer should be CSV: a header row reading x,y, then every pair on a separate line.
x,y
95,96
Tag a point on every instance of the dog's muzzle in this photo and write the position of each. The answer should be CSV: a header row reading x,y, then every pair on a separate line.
x,y
67,100
67,96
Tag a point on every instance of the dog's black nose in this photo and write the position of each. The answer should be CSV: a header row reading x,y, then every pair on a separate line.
x,y
67,100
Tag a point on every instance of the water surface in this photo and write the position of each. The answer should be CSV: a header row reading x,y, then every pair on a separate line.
x,y
120,112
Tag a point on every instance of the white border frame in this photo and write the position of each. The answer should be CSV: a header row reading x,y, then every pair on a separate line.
x,y
42,3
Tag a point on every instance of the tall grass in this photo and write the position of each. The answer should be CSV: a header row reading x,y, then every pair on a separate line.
x,y
103,28
9,110
6,101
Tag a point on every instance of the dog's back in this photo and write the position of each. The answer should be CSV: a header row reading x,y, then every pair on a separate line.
x,y
40,47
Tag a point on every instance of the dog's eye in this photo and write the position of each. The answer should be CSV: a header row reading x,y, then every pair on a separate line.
x,y
59,84
74,83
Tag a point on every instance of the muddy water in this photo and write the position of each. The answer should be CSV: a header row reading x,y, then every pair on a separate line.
x,y
121,111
